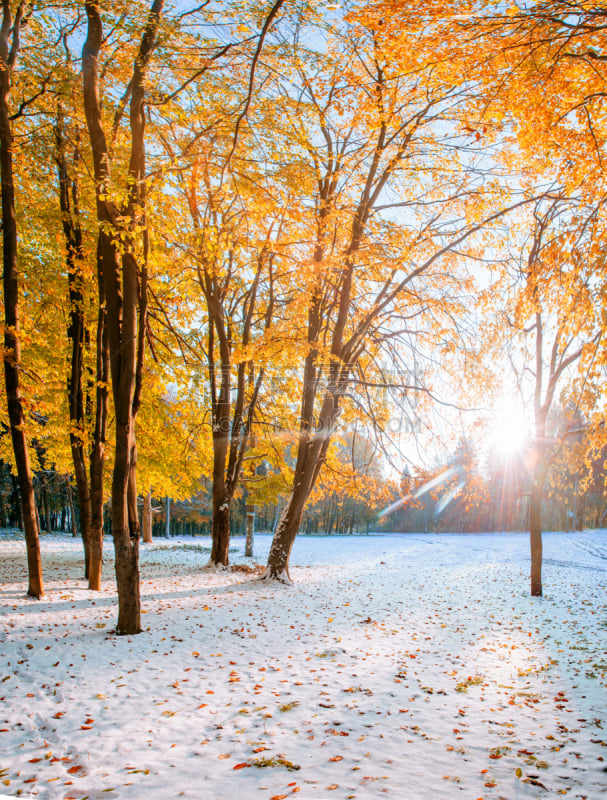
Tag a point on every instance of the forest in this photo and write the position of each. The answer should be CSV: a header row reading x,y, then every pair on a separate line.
x,y
300,267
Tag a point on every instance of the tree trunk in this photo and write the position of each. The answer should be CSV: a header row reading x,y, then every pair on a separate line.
x,y
16,503
68,203
70,501
248,547
167,519
12,345
147,518
220,531
125,532
535,537
96,525
48,526
278,558
311,455
97,454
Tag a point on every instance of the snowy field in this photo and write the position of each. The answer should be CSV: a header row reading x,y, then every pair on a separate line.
x,y
407,666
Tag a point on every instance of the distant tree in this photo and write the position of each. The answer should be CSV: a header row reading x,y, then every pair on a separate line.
x,y
551,322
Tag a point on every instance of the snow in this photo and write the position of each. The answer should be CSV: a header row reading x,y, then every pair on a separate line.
x,y
412,666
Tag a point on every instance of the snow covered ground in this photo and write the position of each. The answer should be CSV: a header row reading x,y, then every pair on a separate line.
x,y
408,666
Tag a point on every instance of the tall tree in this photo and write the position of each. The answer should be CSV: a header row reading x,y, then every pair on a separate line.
x,y
234,257
123,236
377,261
551,323
9,49
88,459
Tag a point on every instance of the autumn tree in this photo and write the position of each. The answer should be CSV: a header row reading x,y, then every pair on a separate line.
x,y
122,250
87,384
10,32
374,134
234,262
554,317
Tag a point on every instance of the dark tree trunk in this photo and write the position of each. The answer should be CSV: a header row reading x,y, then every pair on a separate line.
x,y
9,46
535,534
16,504
147,518
48,526
97,455
220,532
68,201
70,501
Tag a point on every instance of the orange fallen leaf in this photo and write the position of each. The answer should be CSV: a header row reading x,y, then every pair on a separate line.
x,y
224,755
74,769
336,758
278,797
241,765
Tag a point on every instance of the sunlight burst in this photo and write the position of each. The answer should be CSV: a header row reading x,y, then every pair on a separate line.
x,y
510,429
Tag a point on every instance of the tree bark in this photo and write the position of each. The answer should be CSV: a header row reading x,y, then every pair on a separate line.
x,y
248,547
68,202
70,500
221,533
9,47
535,537
147,518
48,527
97,454
167,518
